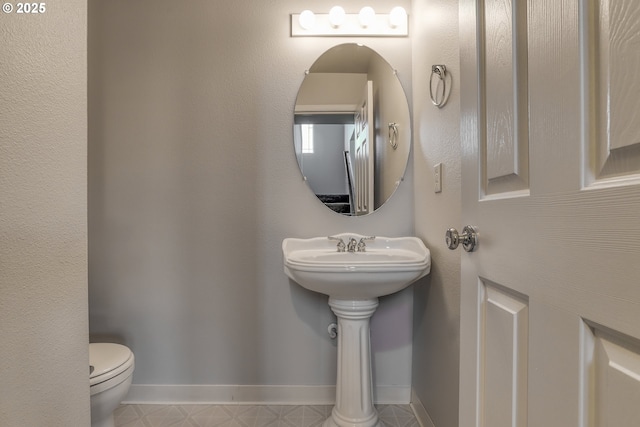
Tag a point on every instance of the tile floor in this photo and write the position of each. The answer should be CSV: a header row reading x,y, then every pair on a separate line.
x,y
246,416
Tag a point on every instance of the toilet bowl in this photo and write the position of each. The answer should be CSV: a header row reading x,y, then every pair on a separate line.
x,y
109,380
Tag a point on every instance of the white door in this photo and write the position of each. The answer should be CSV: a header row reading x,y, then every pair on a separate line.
x,y
363,152
550,125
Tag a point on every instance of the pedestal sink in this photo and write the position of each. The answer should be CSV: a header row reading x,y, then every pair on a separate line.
x,y
354,281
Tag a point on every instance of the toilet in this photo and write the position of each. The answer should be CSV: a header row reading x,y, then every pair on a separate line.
x,y
110,371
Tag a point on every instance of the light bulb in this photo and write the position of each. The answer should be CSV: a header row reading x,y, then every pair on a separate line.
x,y
367,16
397,17
336,16
307,19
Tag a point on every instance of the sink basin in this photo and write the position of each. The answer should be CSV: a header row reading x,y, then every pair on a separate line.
x,y
388,265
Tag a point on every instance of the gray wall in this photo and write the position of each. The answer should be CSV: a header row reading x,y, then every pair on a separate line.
x,y
193,184
436,336
44,357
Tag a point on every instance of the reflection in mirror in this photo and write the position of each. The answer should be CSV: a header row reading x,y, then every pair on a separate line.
x,y
352,133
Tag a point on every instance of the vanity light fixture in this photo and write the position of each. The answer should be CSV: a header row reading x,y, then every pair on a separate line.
x,y
339,23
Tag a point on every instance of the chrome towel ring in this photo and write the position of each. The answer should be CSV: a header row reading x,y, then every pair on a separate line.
x,y
393,135
440,72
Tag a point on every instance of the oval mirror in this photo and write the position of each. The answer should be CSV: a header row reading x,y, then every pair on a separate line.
x,y
352,130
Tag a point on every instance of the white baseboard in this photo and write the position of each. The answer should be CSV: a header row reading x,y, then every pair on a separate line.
x,y
420,412
253,394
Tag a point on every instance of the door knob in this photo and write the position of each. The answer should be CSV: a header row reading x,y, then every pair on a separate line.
x,y
468,238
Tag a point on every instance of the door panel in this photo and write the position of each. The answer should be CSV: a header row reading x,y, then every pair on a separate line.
x,y
505,158
611,54
559,252
503,353
611,368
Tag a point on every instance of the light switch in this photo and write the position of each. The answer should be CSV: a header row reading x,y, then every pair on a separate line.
x,y
437,178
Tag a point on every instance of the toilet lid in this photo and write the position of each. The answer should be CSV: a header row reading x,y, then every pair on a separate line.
x,y
107,357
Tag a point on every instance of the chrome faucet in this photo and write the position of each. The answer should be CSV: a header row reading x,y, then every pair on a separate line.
x,y
353,245
341,245
362,247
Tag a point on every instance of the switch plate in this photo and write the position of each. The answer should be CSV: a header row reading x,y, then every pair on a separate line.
x,y
437,178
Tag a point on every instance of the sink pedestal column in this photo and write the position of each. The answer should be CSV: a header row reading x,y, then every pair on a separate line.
x,y
354,391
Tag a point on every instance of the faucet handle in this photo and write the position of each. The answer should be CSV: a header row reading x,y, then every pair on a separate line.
x,y
341,245
362,247
351,246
